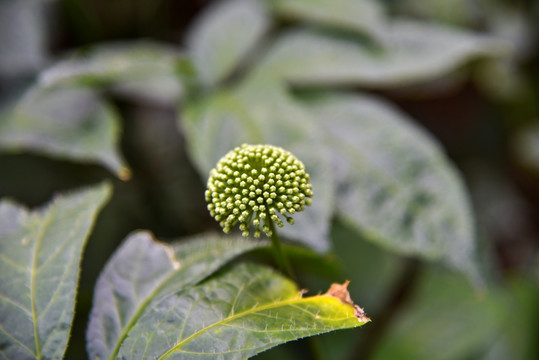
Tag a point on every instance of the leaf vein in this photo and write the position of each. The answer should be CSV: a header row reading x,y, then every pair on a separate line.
x,y
21,344
14,303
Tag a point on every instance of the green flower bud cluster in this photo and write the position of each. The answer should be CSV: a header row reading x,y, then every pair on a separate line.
x,y
254,184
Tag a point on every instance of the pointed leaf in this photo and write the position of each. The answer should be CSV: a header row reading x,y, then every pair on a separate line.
x,y
223,36
143,270
40,252
244,311
142,69
357,15
407,56
226,120
394,183
69,123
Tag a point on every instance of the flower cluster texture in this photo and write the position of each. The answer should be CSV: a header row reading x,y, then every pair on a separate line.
x,y
257,185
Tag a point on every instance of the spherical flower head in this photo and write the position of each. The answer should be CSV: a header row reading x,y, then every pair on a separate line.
x,y
256,186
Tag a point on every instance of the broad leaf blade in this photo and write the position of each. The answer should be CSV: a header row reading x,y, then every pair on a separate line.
x,y
223,36
407,56
364,16
240,313
269,116
394,184
40,253
146,70
143,270
70,123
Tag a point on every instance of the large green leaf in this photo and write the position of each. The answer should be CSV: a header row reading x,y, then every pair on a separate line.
x,y
220,123
223,36
446,320
69,123
357,15
237,314
40,252
142,69
394,184
407,56
140,273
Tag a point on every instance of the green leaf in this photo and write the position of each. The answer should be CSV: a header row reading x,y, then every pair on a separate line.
x,y
526,147
69,123
445,313
221,122
407,57
23,35
237,314
142,271
145,70
457,12
394,184
224,35
40,252
364,16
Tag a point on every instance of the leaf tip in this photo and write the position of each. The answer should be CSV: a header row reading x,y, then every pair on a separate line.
x,y
341,293
124,173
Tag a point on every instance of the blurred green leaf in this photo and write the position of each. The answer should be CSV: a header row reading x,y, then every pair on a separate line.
x,y
224,35
234,315
141,272
40,252
221,122
373,274
140,69
456,12
412,53
526,147
69,123
360,259
23,37
393,182
518,339
445,320
365,16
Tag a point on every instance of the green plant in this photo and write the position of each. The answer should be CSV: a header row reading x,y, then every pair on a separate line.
x,y
136,128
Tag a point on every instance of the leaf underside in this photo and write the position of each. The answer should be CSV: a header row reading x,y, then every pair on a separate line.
x,y
141,69
69,123
394,183
404,57
224,35
40,252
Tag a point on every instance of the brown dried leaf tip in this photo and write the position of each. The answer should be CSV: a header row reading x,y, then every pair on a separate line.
x,y
340,292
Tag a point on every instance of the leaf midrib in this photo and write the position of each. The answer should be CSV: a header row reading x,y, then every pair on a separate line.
x,y
33,272
290,302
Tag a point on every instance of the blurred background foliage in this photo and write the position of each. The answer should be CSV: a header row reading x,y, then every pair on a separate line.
x,y
119,69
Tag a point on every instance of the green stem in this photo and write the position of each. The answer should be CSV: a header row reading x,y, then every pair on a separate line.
x,y
280,255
